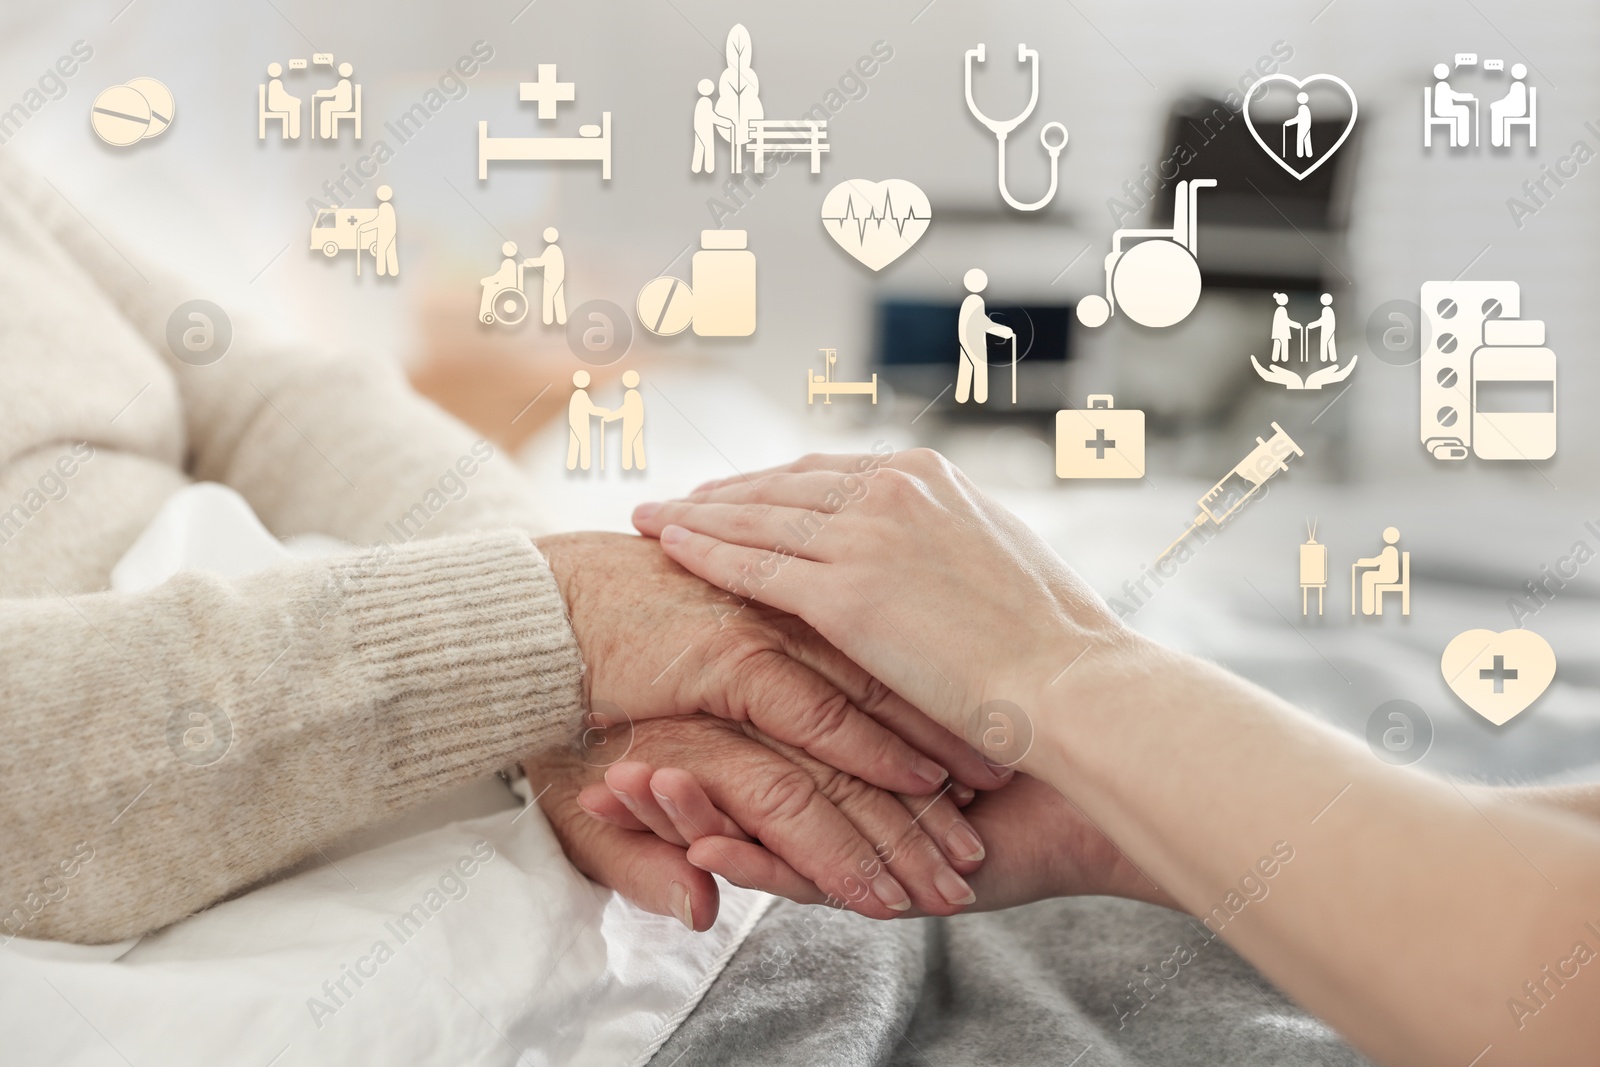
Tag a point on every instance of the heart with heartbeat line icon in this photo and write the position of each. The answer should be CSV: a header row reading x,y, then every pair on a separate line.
x,y
1298,151
877,222
1498,674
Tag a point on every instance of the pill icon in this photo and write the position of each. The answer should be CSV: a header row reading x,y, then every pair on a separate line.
x,y
126,114
666,306
159,97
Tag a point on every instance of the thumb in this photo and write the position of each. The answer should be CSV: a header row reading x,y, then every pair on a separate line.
x,y
653,874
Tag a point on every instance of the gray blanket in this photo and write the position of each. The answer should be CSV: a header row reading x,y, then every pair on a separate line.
x,y
1086,982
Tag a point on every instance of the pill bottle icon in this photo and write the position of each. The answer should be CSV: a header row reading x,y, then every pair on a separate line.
x,y
723,278
720,299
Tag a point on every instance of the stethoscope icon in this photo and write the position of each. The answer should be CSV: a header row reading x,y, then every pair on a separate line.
x,y
1002,129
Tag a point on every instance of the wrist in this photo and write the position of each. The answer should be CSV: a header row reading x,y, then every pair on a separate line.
x,y
1112,675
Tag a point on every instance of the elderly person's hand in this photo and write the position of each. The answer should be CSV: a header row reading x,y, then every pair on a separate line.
x,y
658,641
1035,843
825,836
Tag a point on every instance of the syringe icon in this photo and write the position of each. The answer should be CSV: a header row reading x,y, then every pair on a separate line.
x,y
1223,500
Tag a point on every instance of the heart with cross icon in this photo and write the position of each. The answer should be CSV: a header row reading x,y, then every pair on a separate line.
x,y
1498,675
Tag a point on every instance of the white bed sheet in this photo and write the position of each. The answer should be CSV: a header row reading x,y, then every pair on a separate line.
x,y
524,961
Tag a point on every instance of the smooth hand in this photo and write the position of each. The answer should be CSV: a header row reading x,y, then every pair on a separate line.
x,y
658,641
907,568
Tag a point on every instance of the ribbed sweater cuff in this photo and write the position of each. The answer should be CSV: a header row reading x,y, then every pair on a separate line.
x,y
468,642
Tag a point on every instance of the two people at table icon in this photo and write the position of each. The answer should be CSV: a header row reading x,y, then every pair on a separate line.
x,y
1459,110
974,328
1387,572
582,412
275,103
504,299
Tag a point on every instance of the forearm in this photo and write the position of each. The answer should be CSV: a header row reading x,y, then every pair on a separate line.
x,y
1581,800
198,737
1317,863
317,444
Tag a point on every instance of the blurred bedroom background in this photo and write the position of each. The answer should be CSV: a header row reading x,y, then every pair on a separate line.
x,y
1130,82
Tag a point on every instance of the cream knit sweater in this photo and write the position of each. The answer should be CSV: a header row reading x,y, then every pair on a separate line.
x,y
354,687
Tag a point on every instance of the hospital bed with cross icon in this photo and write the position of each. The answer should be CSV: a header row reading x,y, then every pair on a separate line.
x,y
593,143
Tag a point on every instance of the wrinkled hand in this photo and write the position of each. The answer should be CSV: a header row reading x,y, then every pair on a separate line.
x,y
658,641
654,874
823,835
1037,844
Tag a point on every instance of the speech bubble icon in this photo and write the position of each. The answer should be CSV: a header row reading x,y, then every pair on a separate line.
x,y
1466,59
1494,64
1498,675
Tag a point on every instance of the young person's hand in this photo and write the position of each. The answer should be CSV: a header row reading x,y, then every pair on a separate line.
x,y
902,564
823,834
658,641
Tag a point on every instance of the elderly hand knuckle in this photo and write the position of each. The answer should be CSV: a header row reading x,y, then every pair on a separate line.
x,y
784,796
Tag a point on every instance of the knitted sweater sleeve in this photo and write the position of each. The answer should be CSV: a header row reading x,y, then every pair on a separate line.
x,y
168,748
195,738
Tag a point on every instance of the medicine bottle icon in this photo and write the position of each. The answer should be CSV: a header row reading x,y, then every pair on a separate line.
x,y
723,279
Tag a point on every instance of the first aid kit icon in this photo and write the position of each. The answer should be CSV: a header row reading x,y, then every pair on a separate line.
x,y
1099,441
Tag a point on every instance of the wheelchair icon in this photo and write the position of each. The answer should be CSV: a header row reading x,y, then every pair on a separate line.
x,y
503,301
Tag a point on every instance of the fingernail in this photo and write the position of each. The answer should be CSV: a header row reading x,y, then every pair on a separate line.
x,y
962,794
1001,774
645,510
930,772
587,808
673,535
678,894
964,843
953,887
629,803
667,806
890,893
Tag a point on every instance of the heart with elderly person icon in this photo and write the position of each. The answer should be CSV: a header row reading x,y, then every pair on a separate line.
x,y
1307,113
